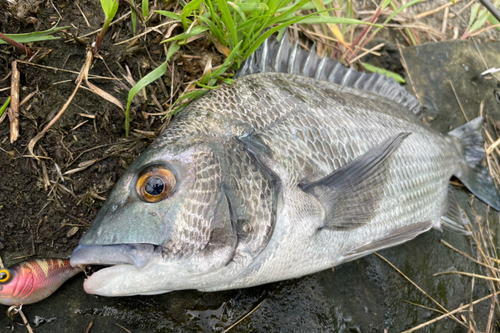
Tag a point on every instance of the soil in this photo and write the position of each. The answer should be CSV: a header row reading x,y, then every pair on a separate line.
x,y
46,204
39,207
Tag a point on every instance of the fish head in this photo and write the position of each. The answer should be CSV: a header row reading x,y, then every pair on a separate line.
x,y
16,285
8,283
165,226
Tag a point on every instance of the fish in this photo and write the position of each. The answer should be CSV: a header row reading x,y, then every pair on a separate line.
x,y
300,165
34,280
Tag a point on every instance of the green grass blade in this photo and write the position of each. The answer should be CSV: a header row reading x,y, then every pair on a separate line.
x,y
133,16
4,106
493,21
145,8
188,10
307,6
387,73
34,36
473,13
238,10
145,81
336,20
190,95
396,12
228,22
213,14
228,62
481,20
292,10
195,31
213,28
250,7
250,22
268,33
171,15
110,7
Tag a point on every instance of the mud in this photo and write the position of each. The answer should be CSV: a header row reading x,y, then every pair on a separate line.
x,y
40,210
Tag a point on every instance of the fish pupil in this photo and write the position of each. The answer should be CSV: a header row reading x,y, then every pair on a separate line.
x,y
154,186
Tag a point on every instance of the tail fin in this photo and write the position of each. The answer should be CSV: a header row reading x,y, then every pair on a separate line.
x,y
474,174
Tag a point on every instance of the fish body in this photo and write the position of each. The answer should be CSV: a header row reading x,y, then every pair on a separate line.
x,y
275,177
34,280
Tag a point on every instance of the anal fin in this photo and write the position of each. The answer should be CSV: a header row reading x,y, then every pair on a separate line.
x,y
397,237
454,219
351,195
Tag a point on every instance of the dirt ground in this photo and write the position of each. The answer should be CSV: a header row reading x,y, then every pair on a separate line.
x,y
47,204
44,205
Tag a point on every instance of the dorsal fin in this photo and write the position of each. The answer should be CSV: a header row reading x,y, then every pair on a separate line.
x,y
282,57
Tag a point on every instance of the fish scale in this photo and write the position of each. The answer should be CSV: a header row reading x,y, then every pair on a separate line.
x,y
303,175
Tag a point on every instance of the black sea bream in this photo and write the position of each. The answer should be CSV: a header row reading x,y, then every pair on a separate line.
x,y
299,166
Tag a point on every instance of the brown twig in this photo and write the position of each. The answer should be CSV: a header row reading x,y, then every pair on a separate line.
x,y
445,19
26,322
416,286
83,73
123,327
83,14
403,62
19,46
458,100
245,316
90,326
468,256
125,16
434,11
14,103
450,313
469,274
490,316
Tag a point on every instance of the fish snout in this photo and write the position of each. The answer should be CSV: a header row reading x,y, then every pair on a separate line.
x,y
129,254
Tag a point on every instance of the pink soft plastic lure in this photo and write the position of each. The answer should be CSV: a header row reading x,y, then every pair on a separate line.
x,y
32,281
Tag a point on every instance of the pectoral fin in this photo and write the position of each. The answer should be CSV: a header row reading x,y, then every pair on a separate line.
x,y
352,194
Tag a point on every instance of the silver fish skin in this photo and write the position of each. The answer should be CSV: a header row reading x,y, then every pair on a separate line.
x,y
278,176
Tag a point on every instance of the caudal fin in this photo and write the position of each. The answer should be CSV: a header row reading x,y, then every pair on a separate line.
x,y
474,174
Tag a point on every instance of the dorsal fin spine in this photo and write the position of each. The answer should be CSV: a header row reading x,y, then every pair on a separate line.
x,y
320,67
281,57
346,76
265,50
293,55
334,70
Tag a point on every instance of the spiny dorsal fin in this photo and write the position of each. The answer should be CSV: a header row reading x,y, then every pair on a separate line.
x,y
282,57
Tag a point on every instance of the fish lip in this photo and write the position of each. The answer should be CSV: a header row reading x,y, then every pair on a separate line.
x,y
136,255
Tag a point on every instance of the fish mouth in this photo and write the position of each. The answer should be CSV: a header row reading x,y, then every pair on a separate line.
x,y
121,259
137,255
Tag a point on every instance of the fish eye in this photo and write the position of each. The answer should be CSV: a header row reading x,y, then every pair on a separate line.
x,y
155,183
4,275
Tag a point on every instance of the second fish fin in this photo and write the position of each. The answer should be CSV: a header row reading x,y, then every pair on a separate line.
x,y
397,237
454,219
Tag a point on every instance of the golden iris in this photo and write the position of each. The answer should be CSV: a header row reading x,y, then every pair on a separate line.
x,y
4,275
155,183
